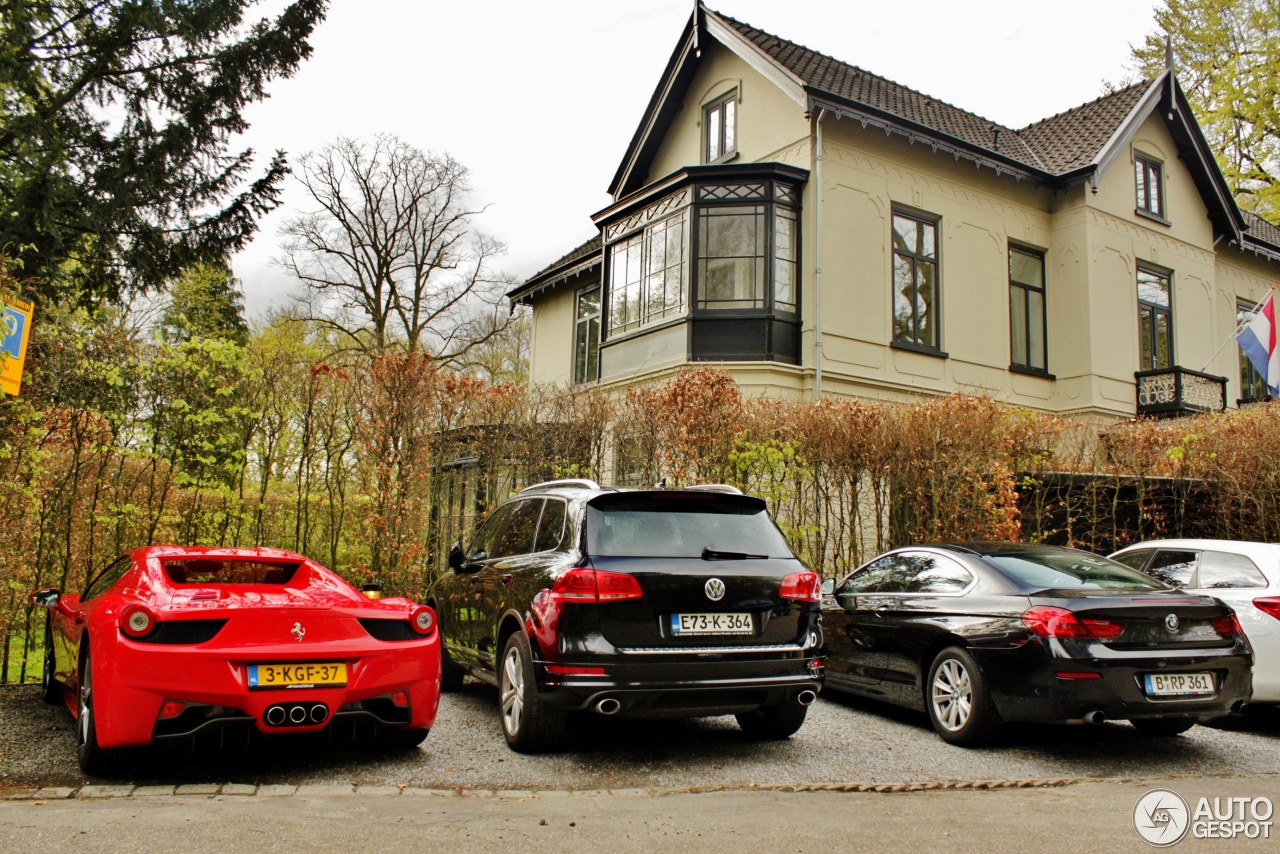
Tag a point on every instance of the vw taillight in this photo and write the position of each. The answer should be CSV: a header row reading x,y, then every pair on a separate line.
x,y
587,586
802,586
1050,622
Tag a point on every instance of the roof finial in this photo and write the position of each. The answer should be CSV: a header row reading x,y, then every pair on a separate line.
x,y
697,48
1168,53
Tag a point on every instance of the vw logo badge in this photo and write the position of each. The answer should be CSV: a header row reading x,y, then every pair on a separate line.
x,y
715,589
1171,623
298,631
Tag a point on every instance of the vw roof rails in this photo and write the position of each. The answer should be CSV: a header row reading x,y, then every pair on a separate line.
x,y
579,482
715,487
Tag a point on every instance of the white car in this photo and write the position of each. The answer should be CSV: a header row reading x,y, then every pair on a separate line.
x,y
1244,575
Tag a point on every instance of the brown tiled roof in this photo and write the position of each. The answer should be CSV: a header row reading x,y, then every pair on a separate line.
x,y
1070,140
1055,145
1261,230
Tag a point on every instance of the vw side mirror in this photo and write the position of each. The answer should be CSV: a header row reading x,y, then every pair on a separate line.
x,y
828,586
457,557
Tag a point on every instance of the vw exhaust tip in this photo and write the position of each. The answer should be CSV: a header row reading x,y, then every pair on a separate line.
x,y
275,715
1239,707
806,698
608,706
319,713
1095,717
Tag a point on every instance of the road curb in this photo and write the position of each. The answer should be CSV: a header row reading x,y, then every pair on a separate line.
x,y
239,791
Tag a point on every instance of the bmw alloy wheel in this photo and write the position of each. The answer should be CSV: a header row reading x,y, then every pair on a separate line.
x,y
952,695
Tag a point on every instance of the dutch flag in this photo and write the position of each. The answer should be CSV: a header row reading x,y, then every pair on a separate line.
x,y
1258,341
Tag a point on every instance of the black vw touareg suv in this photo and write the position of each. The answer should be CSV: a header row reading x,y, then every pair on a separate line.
x,y
636,602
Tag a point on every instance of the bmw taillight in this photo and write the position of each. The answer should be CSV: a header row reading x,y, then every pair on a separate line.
x,y
423,620
136,621
1268,605
802,586
587,586
1228,626
1050,622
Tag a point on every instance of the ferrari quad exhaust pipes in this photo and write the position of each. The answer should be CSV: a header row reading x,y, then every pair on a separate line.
x,y
296,714
806,698
608,706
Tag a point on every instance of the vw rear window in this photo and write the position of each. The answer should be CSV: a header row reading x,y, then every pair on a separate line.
x,y
1072,571
213,572
647,525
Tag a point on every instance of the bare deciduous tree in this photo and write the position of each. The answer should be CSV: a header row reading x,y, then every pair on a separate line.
x,y
389,255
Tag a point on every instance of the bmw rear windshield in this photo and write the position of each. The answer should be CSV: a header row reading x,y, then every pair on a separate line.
x,y
1070,570
712,526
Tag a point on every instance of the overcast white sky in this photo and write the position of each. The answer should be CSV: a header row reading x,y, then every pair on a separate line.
x,y
539,99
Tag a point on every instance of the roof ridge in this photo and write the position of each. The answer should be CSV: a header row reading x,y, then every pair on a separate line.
x,y
862,70
1147,81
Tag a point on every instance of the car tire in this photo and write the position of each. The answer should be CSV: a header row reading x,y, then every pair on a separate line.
x,y
52,691
529,724
1163,727
404,739
94,760
775,722
958,701
450,673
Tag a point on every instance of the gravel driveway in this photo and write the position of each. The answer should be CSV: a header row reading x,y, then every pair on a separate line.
x,y
845,740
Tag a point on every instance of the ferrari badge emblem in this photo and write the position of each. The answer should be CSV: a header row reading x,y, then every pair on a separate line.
x,y
298,632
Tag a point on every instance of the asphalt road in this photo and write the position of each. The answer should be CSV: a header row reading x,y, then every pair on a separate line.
x,y
845,740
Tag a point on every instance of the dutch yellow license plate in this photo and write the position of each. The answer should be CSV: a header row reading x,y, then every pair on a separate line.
x,y
308,675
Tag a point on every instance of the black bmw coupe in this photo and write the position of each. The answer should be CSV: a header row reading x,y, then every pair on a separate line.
x,y
977,634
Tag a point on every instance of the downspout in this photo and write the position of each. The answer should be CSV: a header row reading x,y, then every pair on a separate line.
x,y
817,268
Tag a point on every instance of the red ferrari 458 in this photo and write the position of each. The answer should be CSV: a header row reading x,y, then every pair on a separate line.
x,y
168,642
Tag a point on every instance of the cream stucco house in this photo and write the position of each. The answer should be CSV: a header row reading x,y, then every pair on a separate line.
x,y
818,230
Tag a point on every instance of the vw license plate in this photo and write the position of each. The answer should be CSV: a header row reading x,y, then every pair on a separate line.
x,y
711,624
309,675
1179,684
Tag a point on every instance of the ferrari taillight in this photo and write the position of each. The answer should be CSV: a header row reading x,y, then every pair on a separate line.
x,y
423,620
136,621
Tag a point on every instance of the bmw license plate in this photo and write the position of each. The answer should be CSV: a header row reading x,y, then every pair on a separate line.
x,y
309,675
711,624
1179,684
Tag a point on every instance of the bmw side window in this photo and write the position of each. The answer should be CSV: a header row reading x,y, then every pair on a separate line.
x,y
551,528
1174,568
107,576
886,575
939,575
517,535
1133,560
1223,570
482,545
